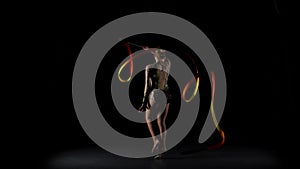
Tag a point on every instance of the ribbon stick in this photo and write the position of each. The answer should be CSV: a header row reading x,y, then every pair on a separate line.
x,y
212,110
129,61
187,86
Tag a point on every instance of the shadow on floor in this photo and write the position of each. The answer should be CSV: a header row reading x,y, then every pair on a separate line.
x,y
197,157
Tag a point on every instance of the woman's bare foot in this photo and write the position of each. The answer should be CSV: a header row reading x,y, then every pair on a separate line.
x,y
158,156
155,146
164,147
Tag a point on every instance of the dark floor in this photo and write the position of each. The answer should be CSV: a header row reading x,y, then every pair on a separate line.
x,y
226,157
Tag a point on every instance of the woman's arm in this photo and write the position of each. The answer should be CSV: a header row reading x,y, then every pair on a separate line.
x,y
145,103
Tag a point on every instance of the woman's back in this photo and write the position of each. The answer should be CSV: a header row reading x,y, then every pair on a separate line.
x,y
158,74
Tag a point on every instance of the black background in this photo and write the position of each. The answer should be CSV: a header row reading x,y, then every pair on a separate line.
x,y
250,38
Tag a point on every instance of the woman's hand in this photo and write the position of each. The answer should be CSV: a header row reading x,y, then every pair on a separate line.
x,y
145,47
143,107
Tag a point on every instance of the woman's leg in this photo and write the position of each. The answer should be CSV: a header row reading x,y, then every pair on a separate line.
x,y
164,127
160,126
148,120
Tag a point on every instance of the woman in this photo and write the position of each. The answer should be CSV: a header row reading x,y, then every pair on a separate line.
x,y
155,93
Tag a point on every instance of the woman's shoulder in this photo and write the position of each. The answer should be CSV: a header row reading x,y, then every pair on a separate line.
x,y
168,62
150,66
